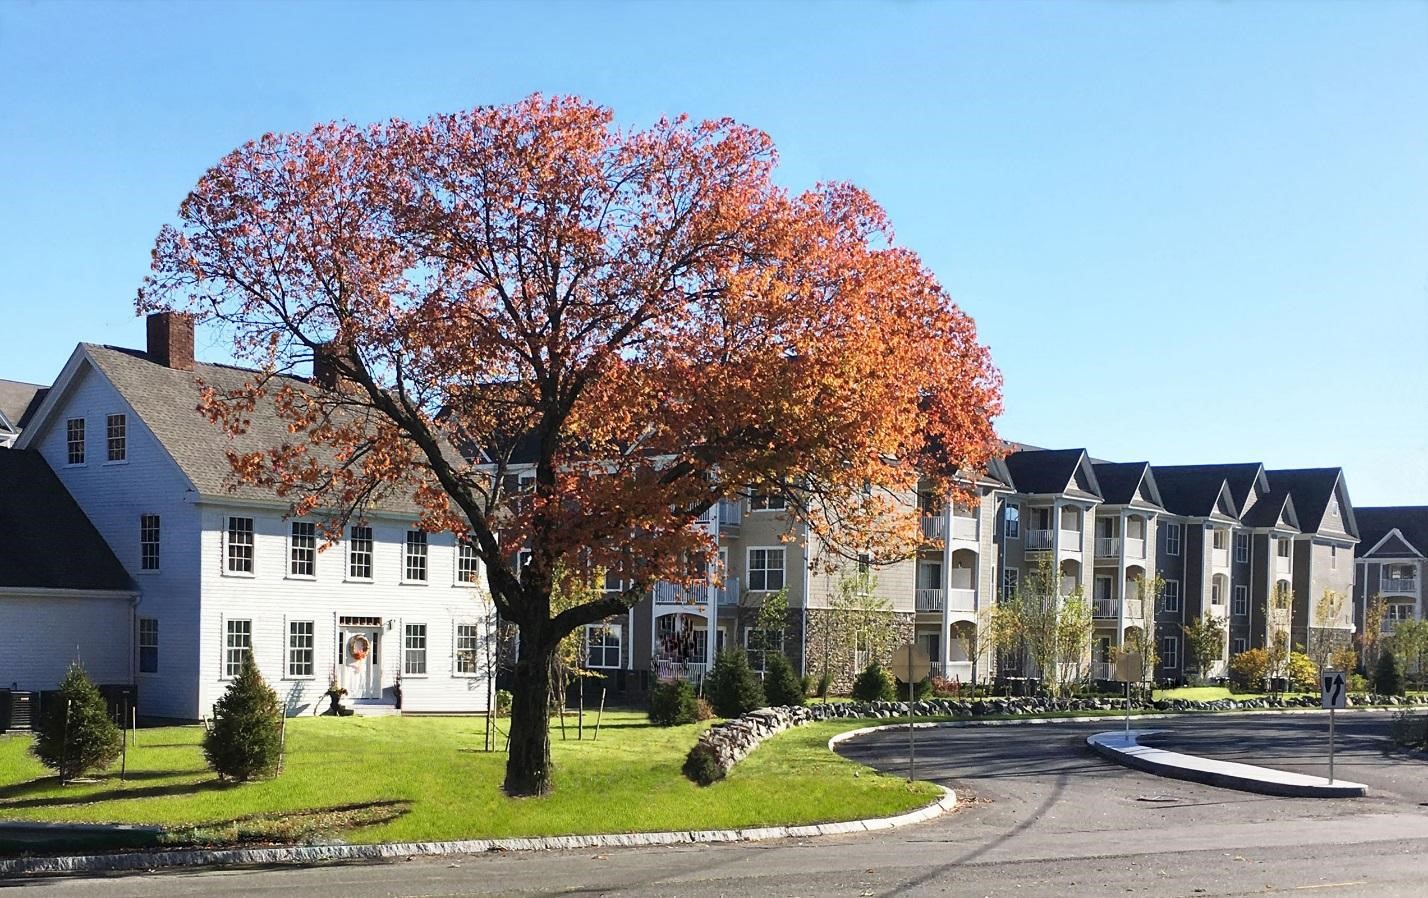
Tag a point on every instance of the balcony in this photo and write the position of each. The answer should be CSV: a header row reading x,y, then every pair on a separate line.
x,y
1281,564
731,514
1108,547
1103,670
934,527
1135,609
1135,547
666,593
1220,557
961,599
1038,539
1105,608
929,600
1398,584
964,528
961,671
729,593
1070,540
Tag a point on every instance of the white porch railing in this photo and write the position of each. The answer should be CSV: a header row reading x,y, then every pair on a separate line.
x,y
1398,584
934,526
964,528
1070,540
728,594
1135,609
1038,539
929,600
955,670
1102,670
1135,547
961,599
666,593
1105,608
731,514
679,670
1108,547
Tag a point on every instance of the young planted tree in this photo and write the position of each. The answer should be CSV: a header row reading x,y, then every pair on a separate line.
x,y
1281,604
246,739
76,734
1371,635
1073,638
1204,642
1037,613
643,318
860,630
1410,644
1330,627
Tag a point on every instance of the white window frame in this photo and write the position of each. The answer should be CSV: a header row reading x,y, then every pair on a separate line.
x,y
353,551
233,665
523,559
309,551
1096,582
1011,520
229,544
1282,547
1218,535
1333,558
1241,601
70,443
150,544
1167,595
116,448
1170,652
1011,581
1172,538
148,638
461,655
1242,547
293,658
411,652
1217,595
466,563
782,568
1239,644
408,556
605,632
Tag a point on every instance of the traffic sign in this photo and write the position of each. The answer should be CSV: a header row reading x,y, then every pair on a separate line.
x,y
1130,668
1334,689
910,663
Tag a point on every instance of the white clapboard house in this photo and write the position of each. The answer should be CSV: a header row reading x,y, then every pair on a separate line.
x,y
218,572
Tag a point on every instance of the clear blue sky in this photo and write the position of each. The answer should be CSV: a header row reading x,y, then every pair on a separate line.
x,y
1189,232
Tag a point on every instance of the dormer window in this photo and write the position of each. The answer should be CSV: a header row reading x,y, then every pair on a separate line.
x,y
1281,547
74,441
116,437
1222,538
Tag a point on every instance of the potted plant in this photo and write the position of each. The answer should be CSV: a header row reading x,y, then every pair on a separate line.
x,y
334,694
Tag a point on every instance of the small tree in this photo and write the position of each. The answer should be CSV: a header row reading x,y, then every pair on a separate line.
x,y
1329,623
1410,644
732,687
874,684
246,739
1303,675
1037,607
76,734
672,703
1375,613
1249,669
1281,610
1387,674
1344,658
1204,642
1073,638
781,684
861,628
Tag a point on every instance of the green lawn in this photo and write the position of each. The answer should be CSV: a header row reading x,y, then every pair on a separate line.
x,y
423,778
1199,694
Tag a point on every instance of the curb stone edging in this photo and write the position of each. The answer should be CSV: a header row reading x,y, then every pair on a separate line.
x,y
198,857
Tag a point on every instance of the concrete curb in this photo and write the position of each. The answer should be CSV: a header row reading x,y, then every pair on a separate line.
x,y
197,857
1124,749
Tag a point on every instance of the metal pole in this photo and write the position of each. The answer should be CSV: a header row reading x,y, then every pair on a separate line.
x,y
1331,746
911,742
1128,707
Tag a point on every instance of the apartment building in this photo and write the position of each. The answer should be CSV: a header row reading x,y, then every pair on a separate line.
x,y
1392,562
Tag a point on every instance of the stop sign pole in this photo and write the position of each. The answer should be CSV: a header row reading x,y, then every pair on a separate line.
x,y
908,663
1333,694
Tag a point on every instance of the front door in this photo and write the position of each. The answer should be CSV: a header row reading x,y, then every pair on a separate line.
x,y
361,667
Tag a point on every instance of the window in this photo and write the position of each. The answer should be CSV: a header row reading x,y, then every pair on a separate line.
x,y
74,441
237,643
414,557
765,570
240,546
115,437
466,568
1172,539
761,645
1101,589
1333,558
148,542
1170,597
1010,576
300,648
468,649
1221,538
1170,652
1281,547
613,583
865,563
1217,592
862,649
414,648
1396,614
1012,521
1241,548
359,553
1241,606
1238,644
766,502
602,646
523,561
148,645
302,550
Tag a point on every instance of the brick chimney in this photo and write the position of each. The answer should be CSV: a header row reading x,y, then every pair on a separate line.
x,y
171,340
324,366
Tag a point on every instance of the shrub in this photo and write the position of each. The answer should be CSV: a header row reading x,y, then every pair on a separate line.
x,y
246,739
874,685
1344,658
700,765
808,683
1388,675
503,702
922,690
942,686
76,734
672,703
1358,683
825,684
1249,669
1409,729
732,687
781,684
702,709
1303,673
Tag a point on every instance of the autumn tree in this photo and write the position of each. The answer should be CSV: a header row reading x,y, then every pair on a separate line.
x,y
1328,632
1204,642
641,321
1369,637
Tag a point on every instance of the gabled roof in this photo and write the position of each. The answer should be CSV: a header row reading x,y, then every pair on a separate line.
x,y
1393,531
1121,481
1053,471
46,542
1313,488
1193,491
1275,509
18,401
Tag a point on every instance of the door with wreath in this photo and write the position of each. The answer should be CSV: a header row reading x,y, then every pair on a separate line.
x,y
361,667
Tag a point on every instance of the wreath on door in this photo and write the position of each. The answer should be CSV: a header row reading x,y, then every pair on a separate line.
x,y
358,647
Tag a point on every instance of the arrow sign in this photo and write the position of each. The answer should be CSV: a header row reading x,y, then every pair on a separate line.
x,y
1334,689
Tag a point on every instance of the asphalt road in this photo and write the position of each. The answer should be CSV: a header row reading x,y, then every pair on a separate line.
x,y
1042,816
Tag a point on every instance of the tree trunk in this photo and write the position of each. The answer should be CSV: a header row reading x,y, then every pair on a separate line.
x,y
528,770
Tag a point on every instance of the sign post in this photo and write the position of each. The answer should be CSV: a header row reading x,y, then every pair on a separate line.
x,y
1129,669
910,664
1333,694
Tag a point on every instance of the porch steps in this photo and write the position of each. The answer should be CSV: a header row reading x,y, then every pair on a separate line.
x,y
373,708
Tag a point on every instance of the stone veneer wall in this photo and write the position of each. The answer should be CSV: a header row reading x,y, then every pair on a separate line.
x,y
823,623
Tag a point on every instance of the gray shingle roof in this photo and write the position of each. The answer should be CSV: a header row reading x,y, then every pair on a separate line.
x,y
46,542
1043,470
1189,490
1376,522
1312,488
1119,480
18,400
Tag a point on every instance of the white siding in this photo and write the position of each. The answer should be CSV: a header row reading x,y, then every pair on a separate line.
x,y
41,634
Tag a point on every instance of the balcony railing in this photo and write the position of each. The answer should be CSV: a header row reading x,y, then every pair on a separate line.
x,y
1038,539
1135,547
961,599
1135,609
934,526
731,514
1398,584
929,600
666,593
960,671
1105,608
1103,670
1070,540
1281,564
679,670
728,594
1108,547
964,528
1220,557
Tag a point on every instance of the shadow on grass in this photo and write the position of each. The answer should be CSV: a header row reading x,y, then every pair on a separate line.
x,y
112,794
16,790
288,826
